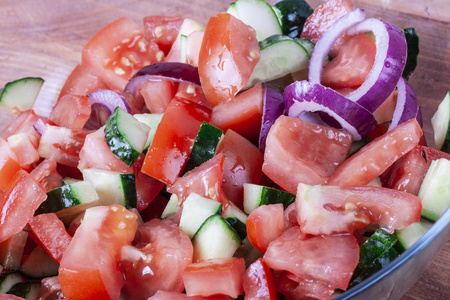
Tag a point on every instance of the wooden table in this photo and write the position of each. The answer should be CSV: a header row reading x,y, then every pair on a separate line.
x,y
44,38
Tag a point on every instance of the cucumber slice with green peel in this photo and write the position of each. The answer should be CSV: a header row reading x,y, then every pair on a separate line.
x,y
21,93
259,15
412,41
307,44
171,207
152,121
256,195
215,239
113,187
39,264
441,125
196,209
7,280
293,15
280,56
125,136
435,190
70,200
27,290
232,10
205,145
411,234
236,218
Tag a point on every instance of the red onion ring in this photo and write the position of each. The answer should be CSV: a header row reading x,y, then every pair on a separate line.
x,y
406,107
273,107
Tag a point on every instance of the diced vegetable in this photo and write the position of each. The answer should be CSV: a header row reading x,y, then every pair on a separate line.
x,y
20,95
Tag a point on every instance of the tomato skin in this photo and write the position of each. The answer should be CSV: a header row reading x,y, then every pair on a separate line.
x,y
47,175
163,30
351,66
228,55
86,284
7,172
298,151
81,81
224,276
157,94
374,158
50,233
265,224
173,140
259,282
71,111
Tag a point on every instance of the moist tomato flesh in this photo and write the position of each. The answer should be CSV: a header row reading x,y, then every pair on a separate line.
x,y
71,111
163,30
259,282
81,81
157,94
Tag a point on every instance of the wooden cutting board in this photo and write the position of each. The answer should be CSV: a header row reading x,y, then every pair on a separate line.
x,y
44,38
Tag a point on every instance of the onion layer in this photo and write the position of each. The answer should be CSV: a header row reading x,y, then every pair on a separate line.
x,y
273,107
406,107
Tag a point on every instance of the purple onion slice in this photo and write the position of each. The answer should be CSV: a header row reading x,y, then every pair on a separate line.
x,y
103,103
273,107
40,127
407,107
303,97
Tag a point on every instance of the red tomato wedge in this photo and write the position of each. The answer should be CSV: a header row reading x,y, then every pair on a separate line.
x,y
223,275
265,224
118,51
407,173
161,295
342,209
71,111
374,158
81,82
298,151
173,140
89,268
328,261
24,124
259,283
322,18
50,233
18,204
165,250
351,66
242,163
228,55
242,114
157,94
47,175
163,30
7,172
26,153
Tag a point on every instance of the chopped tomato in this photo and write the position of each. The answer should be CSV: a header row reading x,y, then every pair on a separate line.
x,y
6,153
223,275
147,189
407,173
163,30
385,112
298,151
374,158
351,66
242,114
193,93
161,295
118,51
205,180
326,260
24,124
47,175
265,224
173,140
322,18
81,82
259,282
27,155
158,260
18,204
7,171
71,111
157,94
228,55
343,209
89,268
242,163
50,233
194,41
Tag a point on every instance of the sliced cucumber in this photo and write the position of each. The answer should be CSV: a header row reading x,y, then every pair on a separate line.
x,y
441,125
196,209
435,190
7,280
113,187
39,264
205,145
152,121
280,56
215,239
412,40
125,136
27,290
236,218
256,195
307,44
293,15
12,249
411,234
171,207
232,10
21,93
259,15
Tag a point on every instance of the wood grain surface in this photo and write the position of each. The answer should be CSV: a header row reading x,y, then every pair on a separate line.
x,y
44,38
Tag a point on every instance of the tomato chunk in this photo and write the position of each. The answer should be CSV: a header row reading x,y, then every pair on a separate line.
x,y
173,140
224,276
163,30
81,81
47,175
228,55
259,282
71,111
298,151
157,94
7,171
374,158
341,209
